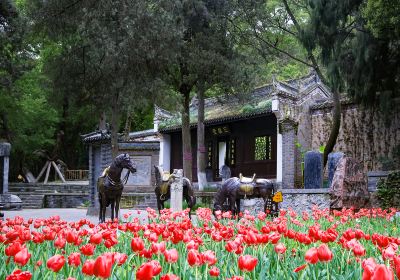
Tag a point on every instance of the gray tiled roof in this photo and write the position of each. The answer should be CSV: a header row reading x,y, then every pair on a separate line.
x,y
228,108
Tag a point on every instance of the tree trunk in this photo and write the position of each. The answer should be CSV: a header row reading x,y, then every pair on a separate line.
x,y
128,122
102,121
114,126
336,95
186,139
6,129
336,114
201,149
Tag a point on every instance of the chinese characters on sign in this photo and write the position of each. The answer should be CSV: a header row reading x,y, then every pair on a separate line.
x,y
221,130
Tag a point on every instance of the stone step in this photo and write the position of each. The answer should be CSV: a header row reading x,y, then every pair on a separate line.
x,y
46,190
31,200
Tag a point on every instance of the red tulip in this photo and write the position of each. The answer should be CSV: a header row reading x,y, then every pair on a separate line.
x,y
19,275
74,259
71,236
369,266
96,238
396,264
247,262
356,247
214,271
148,270
22,257
145,272
87,267
13,248
382,272
119,258
274,237
55,263
60,242
194,258
299,268
311,255
208,257
169,277
87,249
324,254
156,267
38,263
171,256
192,245
158,248
280,248
235,278
137,244
147,253
102,265
388,253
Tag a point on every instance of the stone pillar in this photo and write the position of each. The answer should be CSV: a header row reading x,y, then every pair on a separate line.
x,y
5,149
333,160
279,157
165,152
177,191
288,130
313,170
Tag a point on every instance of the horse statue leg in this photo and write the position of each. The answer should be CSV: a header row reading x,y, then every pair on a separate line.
x,y
117,201
232,202
100,209
112,209
103,208
237,206
159,204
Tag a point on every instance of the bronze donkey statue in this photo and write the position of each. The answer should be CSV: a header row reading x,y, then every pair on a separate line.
x,y
163,189
110,186
234,189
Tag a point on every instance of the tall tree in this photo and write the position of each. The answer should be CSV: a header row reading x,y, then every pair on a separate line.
x,y
204,43
320,28
110,51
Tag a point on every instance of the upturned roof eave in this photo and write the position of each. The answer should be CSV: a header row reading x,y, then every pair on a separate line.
x,y
216,121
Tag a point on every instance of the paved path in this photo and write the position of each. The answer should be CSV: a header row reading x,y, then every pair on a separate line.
x,y
67,214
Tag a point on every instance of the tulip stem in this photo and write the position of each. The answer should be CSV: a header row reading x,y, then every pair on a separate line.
x,y
327,269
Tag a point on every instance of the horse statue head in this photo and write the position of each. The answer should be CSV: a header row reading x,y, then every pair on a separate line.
x,y
124,161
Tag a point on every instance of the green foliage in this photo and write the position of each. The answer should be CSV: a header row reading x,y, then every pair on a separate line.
x,y
35,122
383,18
388,190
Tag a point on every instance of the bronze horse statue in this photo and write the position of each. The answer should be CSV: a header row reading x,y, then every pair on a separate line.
x,y
234,189
163,188
110,186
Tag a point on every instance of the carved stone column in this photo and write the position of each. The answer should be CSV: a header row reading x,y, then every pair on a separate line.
x,y
177,191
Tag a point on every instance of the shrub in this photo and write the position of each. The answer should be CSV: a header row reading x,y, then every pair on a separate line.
x,y
388,190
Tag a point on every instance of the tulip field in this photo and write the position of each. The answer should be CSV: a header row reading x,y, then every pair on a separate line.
x,y
317,245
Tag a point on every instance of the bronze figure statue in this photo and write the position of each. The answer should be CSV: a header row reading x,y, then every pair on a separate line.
x,y
163,189
110,186
234,189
